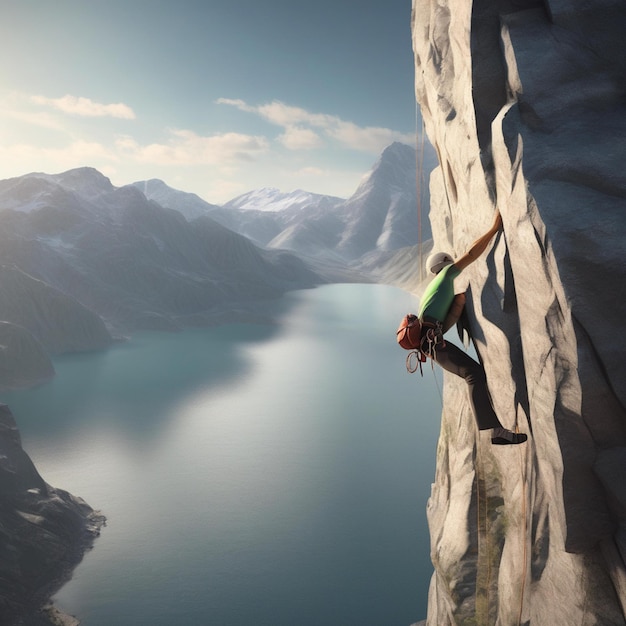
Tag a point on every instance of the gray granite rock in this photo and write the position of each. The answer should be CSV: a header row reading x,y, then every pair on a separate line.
x,y
524,103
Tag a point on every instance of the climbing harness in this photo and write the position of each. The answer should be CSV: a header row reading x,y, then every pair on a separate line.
x,y
421,338
432,338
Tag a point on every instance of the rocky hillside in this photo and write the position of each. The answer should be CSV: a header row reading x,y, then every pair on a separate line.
x,y
131,261
44,534
524,103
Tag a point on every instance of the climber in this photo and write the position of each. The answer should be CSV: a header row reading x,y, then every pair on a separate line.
x,y
440,310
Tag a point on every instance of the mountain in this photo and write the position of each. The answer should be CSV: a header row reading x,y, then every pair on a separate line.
x,y
189,204
380,217
382,213
261,215
23,360
270,199
38,320
57,321
112,253
525,103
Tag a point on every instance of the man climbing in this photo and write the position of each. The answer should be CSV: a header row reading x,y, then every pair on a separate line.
x,y
440,310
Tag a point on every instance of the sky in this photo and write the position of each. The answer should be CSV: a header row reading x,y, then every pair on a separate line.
x,y
215,97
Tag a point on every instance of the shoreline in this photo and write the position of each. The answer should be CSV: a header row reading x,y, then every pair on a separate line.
x,y
56,617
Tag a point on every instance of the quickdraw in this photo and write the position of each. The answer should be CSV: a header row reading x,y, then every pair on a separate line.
x,y
431,339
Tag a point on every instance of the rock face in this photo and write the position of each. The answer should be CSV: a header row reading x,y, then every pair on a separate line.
x,y
44,532
524,103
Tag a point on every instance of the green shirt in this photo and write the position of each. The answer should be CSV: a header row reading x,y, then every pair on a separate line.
x,y
439,294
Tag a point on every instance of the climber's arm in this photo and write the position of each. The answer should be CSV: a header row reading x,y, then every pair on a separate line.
x,y
454,312
480,245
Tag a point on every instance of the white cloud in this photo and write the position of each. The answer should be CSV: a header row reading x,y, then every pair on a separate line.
x,y
285,115
299,124
281,114
21,158
369,139
239,104
296,138
310,171
85,107
41,119
187,148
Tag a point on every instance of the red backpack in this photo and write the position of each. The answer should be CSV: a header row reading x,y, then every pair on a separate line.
x,y
409,336
409,332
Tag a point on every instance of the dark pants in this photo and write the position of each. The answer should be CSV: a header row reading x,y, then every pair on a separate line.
x,y
452,359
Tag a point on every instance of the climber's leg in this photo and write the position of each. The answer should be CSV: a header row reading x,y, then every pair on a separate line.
x,y
452,359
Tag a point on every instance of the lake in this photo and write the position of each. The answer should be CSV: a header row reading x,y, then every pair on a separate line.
x,y
266,474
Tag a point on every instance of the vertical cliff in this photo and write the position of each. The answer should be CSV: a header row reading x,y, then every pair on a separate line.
x,y
525,104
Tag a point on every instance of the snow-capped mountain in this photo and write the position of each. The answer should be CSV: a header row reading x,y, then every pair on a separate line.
x,y
271,199
381,216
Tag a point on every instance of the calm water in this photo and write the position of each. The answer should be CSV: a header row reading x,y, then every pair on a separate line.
x,y
250,474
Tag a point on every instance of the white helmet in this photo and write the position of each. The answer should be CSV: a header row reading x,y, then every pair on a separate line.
x,y
437,261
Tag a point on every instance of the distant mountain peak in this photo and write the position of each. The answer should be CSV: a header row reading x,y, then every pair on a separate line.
x,y
189,204
85,180
272,199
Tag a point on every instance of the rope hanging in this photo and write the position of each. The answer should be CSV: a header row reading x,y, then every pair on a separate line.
x,y
420,183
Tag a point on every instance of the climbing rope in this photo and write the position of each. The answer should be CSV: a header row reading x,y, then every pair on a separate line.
x,y
484,546
524,467
414,362
482,539
420,183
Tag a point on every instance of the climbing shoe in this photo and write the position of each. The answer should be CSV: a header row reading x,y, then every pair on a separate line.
x,y
504,437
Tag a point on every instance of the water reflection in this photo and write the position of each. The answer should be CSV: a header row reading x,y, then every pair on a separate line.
x,y
274,475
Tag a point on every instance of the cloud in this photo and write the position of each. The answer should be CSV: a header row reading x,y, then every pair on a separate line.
x,y
27,157
310,171
285,115
187,148
85,107
368,139
296,138
42,119
299,124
